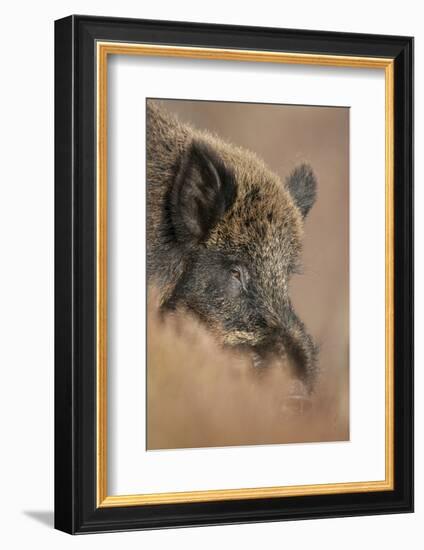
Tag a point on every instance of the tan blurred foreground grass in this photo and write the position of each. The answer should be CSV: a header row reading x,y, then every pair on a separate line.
x,y
199,395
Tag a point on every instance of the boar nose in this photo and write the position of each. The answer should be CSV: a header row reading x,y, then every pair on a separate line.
x,y
287,337
302,351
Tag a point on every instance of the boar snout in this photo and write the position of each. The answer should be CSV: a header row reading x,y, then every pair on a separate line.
x,y
291,346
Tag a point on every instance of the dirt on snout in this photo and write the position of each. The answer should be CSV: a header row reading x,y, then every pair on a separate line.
x,y
199,395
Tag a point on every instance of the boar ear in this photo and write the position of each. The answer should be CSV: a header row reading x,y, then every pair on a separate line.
x,y
202,192
302,185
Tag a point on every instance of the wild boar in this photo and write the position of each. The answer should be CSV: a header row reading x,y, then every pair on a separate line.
x,y
224,236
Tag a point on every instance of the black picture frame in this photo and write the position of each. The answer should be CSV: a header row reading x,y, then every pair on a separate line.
x,y
76,509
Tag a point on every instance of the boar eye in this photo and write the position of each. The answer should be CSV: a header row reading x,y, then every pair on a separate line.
x,y
240,278
236,274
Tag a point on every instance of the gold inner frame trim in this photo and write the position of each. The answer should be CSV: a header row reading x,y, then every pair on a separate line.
x,y
103,50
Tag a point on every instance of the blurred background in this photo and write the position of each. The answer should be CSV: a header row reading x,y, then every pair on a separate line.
x,y
194,401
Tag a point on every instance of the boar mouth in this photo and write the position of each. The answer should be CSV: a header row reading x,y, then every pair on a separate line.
x,y
265,356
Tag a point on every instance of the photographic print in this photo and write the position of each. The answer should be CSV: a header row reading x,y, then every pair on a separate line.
x,y
247,273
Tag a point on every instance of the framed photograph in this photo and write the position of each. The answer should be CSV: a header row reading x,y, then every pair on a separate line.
x,y
234,274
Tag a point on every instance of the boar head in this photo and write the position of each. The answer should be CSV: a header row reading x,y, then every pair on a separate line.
x,y
240,230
